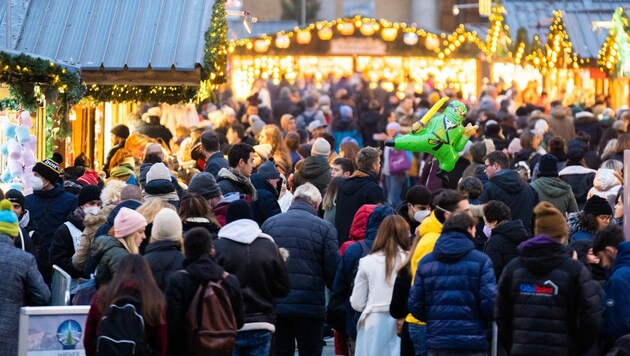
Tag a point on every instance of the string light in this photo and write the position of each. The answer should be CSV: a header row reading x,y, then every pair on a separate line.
x,y
618,37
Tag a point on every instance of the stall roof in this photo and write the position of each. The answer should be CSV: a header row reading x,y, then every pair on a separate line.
x,y
536,16
117,34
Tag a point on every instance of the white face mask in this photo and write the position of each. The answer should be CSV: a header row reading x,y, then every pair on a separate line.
x,y
487,230
92,210
420,215
37,183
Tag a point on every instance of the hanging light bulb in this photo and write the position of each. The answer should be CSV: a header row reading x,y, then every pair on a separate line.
x,y
303,37
410,38
389,34
346,28
325,33
367,29
282,41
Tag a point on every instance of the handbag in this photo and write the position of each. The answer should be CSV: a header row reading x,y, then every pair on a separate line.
x,y
398,161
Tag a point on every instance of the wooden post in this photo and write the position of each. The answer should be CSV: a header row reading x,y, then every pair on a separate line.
x,y
626,194
40,133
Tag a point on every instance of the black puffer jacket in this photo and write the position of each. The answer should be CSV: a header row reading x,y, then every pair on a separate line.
x,y
548,303
360,189
502,246
164,257
181,290
581,181
244,251
508,187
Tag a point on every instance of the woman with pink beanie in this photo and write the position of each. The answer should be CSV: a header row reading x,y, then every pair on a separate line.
x,y
128,234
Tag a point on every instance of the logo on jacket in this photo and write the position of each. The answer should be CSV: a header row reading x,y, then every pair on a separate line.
x,y
547,289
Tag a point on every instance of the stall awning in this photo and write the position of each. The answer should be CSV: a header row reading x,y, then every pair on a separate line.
x,y
117,35
536,17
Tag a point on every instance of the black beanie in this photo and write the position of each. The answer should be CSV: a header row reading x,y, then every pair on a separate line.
x,y
89,193
597,205
48,169
238,210
121,131
548,166
15,196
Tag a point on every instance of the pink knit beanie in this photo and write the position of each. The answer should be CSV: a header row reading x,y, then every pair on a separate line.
x,y
127,222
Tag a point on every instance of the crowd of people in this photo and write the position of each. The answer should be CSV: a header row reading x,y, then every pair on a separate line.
x,y
282,220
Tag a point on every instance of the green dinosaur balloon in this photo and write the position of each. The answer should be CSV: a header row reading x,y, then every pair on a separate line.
x,y
443,136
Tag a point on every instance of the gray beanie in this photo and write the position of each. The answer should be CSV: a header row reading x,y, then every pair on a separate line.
x,y
205,185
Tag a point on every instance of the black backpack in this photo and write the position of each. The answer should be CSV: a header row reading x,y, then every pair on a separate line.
x,y
121,331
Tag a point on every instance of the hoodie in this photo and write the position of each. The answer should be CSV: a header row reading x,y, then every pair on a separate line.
x,y
508,187
360,189
246,252
454,291
503,243
546,293
557,192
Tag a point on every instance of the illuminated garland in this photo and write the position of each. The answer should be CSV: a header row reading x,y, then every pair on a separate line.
x,y
22,73
559,44
618,35
123,93
215,58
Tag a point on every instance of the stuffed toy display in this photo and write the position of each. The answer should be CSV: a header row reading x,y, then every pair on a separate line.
x,y
19,148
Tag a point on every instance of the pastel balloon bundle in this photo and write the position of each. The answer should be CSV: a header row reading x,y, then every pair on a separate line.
x,y
19,148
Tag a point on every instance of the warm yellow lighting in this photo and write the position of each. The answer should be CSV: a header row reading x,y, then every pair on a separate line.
x,y
410,38
389,34
282,41
261,46
367,29
345,28
303,37
325,33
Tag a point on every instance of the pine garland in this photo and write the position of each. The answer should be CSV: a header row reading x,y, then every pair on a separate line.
x,y
215,58
123,93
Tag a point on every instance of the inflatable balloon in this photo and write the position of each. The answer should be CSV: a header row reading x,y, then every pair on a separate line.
x,y
443,136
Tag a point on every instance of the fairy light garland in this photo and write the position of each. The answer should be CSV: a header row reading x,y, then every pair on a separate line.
x,y
618,37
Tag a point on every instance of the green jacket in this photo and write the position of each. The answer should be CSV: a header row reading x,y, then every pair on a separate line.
x,y
557,192
107,254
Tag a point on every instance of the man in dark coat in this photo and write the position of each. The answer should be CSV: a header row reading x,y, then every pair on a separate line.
x,y
505,235
360,189
244,251
507,186
585,121
314,169
266,180
314,255
212,149
578,176
454,291
548,303
119,136
49,206
200,267
236,178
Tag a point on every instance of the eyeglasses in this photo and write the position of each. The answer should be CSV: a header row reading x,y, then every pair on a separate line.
x,y
605,217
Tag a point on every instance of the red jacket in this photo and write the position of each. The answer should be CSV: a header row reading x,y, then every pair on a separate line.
x,y
359,224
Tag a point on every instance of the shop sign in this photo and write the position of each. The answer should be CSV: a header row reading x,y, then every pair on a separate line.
x,y
362,46
52,331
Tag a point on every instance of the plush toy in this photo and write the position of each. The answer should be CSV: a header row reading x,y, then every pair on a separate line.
x,y
443,136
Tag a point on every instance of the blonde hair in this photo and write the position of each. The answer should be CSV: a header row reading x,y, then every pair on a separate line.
x,y
150,209
279,150
130,244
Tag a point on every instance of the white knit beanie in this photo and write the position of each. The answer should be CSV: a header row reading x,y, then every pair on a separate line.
x,y
321,147
158,171
166,226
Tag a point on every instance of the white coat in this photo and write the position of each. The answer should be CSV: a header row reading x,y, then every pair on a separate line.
x,y
371,295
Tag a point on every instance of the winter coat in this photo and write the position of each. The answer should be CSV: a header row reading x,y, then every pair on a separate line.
x,y
606,184
245,252
107,252
29,246
48,209
314,170
348,266
164,258
508,187
372,295
454,291
181,290
314,255
22,285
266,205
398,308
229,182
63,246
616,322
358,227
581,181
548,303
561,124
527,155
360,189
588,123
502,247
342,128
191,223
215,163
428,232
557,192
370,123
91,223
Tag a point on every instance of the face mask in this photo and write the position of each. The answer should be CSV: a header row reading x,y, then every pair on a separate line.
x,y
92,210
420,215
487,230
37,183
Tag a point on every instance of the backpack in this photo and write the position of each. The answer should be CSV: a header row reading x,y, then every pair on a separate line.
x,y
121,331
210,320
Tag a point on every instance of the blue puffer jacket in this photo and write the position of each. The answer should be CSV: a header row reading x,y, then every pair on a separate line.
x,y
313,258
349,263
616,322
455,292
48,209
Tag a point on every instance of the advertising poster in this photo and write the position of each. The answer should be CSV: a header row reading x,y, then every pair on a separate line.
x,y
56,334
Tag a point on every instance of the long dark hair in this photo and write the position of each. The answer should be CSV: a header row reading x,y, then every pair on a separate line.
x,y
134,276
193,205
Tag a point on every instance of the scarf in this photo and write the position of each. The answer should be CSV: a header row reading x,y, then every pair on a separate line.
x,y
233,175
